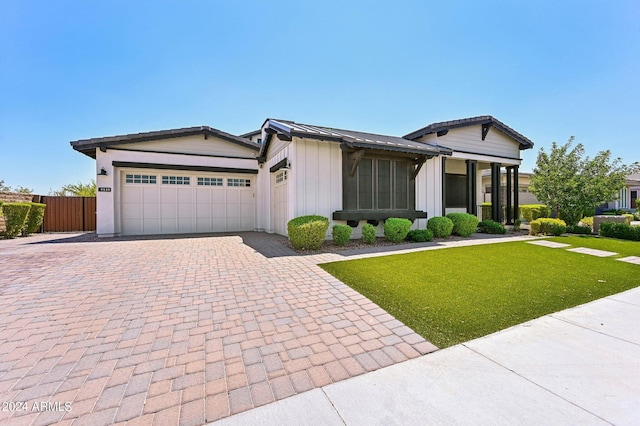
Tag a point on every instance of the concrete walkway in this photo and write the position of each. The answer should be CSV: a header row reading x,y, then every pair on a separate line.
x,y
578,366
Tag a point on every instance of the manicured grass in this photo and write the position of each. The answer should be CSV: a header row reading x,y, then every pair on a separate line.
x,y
624,248
453,295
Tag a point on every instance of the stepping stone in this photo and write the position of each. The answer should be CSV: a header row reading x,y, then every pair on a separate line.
x,y
592,252
631,259
550,244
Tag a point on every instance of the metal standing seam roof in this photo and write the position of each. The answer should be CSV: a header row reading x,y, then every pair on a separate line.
x,y
355,138
88,146
524,142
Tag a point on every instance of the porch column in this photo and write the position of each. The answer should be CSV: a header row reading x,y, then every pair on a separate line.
x,y
516,196
509,192
496,208
472,205
444,185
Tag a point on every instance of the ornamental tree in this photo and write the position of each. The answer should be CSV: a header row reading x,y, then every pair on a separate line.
x,y
570,183
77,189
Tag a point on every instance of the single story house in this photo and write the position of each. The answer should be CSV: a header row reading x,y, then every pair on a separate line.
x,y
628,196
201,179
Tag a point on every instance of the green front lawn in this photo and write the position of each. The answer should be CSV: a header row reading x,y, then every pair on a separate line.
x,y
453,295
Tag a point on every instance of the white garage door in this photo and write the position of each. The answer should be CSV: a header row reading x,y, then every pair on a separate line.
x,y
177,202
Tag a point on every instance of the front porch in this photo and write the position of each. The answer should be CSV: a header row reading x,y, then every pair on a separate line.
x,y
462,189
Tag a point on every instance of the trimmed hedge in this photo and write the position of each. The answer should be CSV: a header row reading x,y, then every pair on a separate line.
x,y
464,224
548,226
369,233
341,234
441,226
491,227
420,235
577,229
587,221
35,217
620,230
15,218
396,229
307,232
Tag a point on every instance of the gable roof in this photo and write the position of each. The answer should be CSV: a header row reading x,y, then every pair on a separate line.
x,y
88,146
351,138
252,133
524,142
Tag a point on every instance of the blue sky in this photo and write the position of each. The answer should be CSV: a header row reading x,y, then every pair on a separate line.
x,y
79,69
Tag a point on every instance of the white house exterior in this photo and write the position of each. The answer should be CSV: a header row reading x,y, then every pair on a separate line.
x,y
200,179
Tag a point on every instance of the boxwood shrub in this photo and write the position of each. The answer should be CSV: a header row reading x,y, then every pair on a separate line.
x,y
307,232
35,217
578,229
587,221
396,229
548,226
491,227
440,226
369,233
620,230
420,235
15,218
531,212
341,234
464,224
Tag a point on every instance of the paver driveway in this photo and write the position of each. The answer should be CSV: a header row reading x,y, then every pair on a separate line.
x,y
183,330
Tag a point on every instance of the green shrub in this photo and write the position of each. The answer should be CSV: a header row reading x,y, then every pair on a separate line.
x,y
516,225
587,221
307,232
491,227
464,224
629,217
420,235
636,215
547,226
577,229
35,217
369,233
440,226
396,229
15,217
531,212
622,231
341,234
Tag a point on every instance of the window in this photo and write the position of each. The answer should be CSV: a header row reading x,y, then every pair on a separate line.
x,y
238,182
205,181
175,180
455,191
140,179
382,184
281,176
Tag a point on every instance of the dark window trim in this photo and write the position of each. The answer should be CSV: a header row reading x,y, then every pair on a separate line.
x,y
183,167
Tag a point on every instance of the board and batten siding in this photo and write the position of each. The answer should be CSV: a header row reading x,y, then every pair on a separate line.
x,y
196,144
266,187
316,175
469,139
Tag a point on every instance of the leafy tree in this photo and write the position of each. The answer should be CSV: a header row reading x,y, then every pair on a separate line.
x,y
569,183
77,189
22,189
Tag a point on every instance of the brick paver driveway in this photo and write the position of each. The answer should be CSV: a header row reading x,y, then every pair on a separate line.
x,y
183,330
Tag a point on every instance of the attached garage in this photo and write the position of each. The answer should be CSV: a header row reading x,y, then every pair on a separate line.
x,y
180,181
178,202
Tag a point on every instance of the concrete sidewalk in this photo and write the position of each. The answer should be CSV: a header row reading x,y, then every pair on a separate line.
x,y
578,366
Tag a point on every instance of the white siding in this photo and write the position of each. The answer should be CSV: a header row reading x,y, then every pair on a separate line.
x,y
196,144
316,178
430,178
469,139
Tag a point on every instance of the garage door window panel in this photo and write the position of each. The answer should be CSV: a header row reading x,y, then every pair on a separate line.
x,y
239,182
205,181
176,180
142,179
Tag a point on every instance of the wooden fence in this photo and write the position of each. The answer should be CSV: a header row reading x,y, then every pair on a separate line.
x,y
67,214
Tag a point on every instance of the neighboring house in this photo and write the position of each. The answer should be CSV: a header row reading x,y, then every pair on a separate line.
x,y
628,195
526,197
201,179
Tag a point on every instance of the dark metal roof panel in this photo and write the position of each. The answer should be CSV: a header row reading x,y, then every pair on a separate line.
x,y
88,146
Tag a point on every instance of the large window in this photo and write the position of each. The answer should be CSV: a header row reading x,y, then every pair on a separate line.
x,y
455,191
382,184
